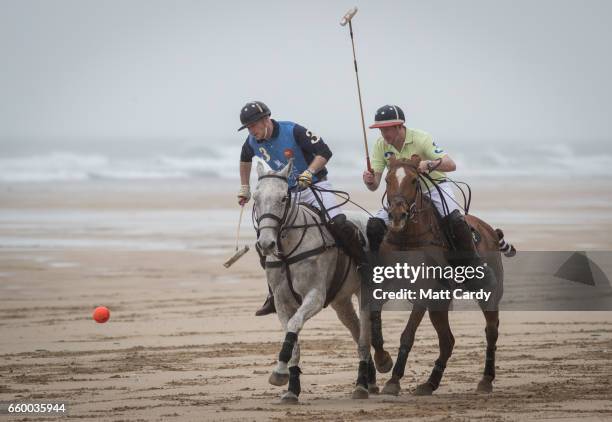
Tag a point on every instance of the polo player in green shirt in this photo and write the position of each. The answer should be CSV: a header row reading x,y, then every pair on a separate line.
x,y
401,142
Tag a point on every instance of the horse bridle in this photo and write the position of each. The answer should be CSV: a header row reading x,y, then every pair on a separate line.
x,y
412,208
285,222
280,220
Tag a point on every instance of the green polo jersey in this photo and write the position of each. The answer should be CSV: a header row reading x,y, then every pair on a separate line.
x,y
417,142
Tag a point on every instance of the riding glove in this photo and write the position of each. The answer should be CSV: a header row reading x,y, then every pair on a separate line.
x,y
305,179
244,194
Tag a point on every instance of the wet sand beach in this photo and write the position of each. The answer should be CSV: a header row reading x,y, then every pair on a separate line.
x,y
182,342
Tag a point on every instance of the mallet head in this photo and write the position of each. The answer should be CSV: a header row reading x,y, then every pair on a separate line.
x,y
348,16
237,255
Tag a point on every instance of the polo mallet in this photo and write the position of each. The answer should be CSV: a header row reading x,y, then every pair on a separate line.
x,y
238,254
348,18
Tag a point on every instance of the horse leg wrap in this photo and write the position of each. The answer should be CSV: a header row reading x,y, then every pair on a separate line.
x,y
489,368
287,349
371,372
377,336
294,380
400,362
436,374
362,374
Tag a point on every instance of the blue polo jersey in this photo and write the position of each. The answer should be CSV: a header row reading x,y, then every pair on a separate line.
x,y
288,140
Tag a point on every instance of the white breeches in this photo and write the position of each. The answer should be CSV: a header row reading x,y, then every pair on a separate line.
x,y
328,198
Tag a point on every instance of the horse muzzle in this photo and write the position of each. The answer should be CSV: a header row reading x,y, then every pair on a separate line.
x,y
397,220
266,246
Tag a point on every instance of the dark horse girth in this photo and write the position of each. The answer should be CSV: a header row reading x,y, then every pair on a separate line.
x,y
343,265
343,262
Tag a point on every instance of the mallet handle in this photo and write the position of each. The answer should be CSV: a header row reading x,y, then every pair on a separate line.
x,y
365,138
239,222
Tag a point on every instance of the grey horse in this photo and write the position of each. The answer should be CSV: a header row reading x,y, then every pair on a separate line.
x,y
301,259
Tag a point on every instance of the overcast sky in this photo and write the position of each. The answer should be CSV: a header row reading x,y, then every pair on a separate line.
x,y
86,71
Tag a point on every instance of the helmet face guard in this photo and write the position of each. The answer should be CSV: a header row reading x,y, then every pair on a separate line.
x,y
388,115
252,112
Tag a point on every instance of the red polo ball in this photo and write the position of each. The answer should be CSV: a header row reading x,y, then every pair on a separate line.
x,y
101,314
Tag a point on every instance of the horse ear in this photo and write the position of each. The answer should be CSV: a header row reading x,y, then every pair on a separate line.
x,y
260,169
288,169
416,159
392,160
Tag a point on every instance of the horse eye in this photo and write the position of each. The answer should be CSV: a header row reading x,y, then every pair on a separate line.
x,y
284,199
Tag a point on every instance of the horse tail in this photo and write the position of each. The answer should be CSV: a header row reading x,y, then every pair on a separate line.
x,y
508,249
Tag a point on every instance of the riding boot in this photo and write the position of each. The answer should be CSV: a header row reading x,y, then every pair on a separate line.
x,y
465,253
346,234
268,306
464,250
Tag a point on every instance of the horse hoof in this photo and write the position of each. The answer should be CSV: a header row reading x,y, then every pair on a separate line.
x,y
360,393
383,361
424,390
373,389
392,388
278,379
485,385
289,398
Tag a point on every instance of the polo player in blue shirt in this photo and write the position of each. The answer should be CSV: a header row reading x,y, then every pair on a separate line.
x,y
275,142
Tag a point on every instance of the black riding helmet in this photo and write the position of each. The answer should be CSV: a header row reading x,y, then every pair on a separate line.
x,y
388,115
252,112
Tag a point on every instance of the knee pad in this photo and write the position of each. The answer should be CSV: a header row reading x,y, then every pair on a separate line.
x,y
337,225
338,220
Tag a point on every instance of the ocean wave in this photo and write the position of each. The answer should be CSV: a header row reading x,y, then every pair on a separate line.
x,y
67,166
559,161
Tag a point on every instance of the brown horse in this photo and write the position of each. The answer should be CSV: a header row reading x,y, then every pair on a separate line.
x,y
414,225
